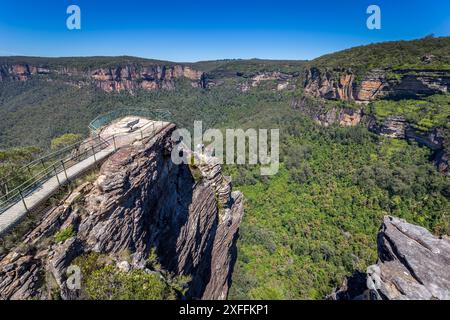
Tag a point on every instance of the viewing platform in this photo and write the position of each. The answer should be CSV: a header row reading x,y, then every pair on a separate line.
x,y
108,136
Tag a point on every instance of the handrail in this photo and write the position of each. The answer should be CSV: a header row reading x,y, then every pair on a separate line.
x,y
6,181
103,119
15,195
53,169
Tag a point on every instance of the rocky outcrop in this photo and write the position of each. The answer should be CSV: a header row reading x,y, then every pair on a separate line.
x,y
371,87
284,81
139,201
114,79
328,116
328,85
442,161
412,264
392,127
377,83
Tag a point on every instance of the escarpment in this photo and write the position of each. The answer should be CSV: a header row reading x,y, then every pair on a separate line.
x,y
120,77
284,81
412,264
360,91
345,84
326,116
140,202
395,127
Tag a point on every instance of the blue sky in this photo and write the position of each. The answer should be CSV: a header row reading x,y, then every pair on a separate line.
x,y
206,30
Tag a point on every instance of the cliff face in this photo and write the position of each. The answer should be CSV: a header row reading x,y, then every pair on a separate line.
x,y
284,81
140,200
412,265
328,116
127,77
392,127
341,84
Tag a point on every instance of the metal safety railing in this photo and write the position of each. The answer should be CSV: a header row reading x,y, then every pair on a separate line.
x,y
50,169
9,182
53,164
104,119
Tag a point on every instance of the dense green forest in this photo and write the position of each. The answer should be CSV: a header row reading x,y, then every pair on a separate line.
x,y
82,63
317,219
314,222
393,55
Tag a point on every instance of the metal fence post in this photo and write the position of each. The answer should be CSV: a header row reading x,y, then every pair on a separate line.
x,y
93,152
142,135
64,167
23,200
114,141
56,174
43,165
6,190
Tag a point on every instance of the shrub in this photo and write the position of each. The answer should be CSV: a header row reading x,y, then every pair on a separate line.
x,y
64,234
108,283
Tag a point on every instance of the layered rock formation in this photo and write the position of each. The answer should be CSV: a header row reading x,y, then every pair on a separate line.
x,y
284,81
128,77
342,84
139,201
392,127
328,116
412,264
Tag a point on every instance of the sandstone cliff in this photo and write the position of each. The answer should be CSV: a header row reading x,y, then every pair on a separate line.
x,y
129,77
325,116
412,264
377,83
140,201
284,81
392,126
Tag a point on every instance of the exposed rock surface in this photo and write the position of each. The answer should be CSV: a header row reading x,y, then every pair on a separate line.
x,y
342,84
329,85
442,161
140,200
412,264
284,81
123,77
391,127
328,116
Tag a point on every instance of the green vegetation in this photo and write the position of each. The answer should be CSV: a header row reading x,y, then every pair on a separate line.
x,y
424,114
305,228
82,63
246,68
64,234
101,280
397,55
65,140
195,170
318,218
108,283
10,162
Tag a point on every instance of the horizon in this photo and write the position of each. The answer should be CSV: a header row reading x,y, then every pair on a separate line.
x,y
214,60
181,32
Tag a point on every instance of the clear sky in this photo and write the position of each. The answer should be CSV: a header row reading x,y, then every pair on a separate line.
x,y
211,29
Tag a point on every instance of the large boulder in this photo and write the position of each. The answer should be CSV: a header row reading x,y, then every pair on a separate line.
x,y
412,264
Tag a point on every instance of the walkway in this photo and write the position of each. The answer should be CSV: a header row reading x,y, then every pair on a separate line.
x,y
18,211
